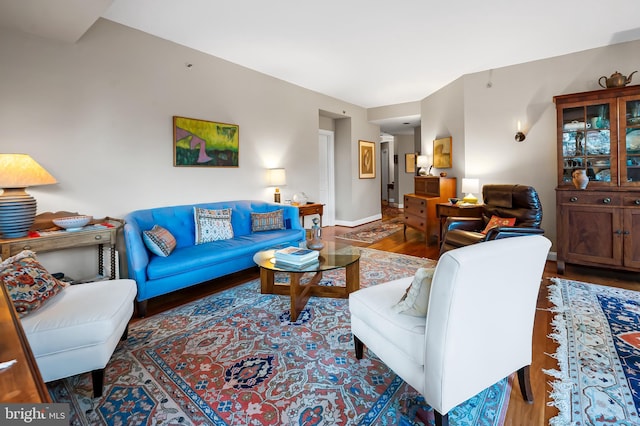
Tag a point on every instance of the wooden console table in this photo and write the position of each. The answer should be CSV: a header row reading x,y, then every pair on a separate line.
x,y
445,210
103,233
310,209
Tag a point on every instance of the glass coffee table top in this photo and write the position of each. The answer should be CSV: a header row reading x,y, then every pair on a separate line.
x,y
332,256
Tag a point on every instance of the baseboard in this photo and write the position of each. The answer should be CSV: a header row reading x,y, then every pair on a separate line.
x,y
353,224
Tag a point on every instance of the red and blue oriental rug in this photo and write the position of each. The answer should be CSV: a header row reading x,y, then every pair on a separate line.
x,y
598,333
234,358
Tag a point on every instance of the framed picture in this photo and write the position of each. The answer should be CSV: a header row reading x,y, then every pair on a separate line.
x,y
367,159
410,163
442,153
200,143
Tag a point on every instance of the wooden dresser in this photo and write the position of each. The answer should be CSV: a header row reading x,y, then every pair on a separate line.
x,y
420,207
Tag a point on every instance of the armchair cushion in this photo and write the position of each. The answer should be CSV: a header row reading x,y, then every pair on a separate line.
x,y
28,283
496,221
416,299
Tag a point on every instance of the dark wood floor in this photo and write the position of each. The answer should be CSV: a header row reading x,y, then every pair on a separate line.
x,y
519,412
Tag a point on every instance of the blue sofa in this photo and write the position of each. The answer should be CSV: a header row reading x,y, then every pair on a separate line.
x,y
191,264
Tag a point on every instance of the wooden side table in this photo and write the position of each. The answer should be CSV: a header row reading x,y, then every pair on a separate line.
x,y
310,209
104,233
445,210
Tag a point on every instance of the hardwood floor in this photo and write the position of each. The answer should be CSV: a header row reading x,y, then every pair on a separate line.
x,y
519,412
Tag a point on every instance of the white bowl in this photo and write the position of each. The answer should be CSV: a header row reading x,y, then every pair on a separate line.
x,y
72,223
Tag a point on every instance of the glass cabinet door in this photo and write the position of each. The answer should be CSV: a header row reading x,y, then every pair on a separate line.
x,y
586,143
630,131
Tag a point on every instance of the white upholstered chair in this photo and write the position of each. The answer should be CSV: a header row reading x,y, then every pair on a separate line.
x,y
78,329
478,328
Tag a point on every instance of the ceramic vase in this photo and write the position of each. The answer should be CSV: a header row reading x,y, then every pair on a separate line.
x,y
580,178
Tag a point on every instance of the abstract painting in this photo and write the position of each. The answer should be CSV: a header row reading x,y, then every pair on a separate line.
x,y
367,159
200,143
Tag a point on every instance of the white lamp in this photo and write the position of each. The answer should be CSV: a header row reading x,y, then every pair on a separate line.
x,y
470,187
17,208
276,177
422,162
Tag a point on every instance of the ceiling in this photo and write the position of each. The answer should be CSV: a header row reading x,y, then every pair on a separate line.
x,y
367,52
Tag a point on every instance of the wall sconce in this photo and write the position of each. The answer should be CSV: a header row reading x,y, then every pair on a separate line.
x,y
519,135
17,208
470,187
422,161
276,177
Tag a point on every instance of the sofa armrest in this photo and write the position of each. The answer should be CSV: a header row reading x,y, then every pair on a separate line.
x,y
464,223
511,231
291,213
137,255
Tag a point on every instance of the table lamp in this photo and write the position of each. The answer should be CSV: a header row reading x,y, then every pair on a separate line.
x,y
276,177
422,162
470,187
17,208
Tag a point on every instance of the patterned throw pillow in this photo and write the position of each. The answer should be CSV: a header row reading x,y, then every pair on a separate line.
x,y
267,221
159,241
212,225
28,283
416,300
496,221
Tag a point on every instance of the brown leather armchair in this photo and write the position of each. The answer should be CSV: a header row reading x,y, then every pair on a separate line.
x,y
507,201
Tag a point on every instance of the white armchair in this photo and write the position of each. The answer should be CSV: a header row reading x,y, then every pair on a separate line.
x,y
478,327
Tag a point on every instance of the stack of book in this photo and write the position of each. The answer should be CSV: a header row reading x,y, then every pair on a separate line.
x,y
296,257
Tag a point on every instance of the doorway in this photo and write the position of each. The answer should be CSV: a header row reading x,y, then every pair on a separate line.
x,y
326,172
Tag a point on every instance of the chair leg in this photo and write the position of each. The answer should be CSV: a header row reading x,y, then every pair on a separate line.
x,y
359,347
125,334
97,377
441,420
525,384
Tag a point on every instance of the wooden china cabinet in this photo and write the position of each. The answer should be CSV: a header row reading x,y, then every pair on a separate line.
x,y
599,132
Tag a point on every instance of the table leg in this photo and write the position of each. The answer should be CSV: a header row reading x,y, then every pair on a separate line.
x,y
300,293
267,279
100,259
353,277
113,261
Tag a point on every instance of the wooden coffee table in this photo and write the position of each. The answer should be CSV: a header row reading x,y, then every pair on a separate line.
x,y
332,256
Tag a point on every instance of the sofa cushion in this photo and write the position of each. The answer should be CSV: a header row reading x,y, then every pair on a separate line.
x,y
267,221
28,283
373,306
212,225
159,241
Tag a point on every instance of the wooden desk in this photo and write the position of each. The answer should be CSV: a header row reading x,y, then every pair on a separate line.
x,y
57,240
22,381
445,210
308,210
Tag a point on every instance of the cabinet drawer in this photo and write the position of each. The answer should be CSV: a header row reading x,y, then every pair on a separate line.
x,y
590,198
309,210
631,201
414,204
416,222
60,242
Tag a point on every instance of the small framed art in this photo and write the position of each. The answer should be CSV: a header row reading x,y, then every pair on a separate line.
x,y
367,159
201,143
442,153
410,163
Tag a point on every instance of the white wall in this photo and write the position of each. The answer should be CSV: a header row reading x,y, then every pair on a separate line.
x,y
483,120
97,115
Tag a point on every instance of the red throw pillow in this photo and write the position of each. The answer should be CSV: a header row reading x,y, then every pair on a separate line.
x,y
499,221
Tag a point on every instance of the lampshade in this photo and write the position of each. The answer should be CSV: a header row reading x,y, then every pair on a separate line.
x,y
276,177
470,187
17,208
423,161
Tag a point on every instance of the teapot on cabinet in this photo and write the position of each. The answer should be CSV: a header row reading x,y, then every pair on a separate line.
x,y
616,80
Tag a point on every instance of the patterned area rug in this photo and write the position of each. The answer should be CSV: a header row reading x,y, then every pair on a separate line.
x,y
234,358
374,233
598,332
